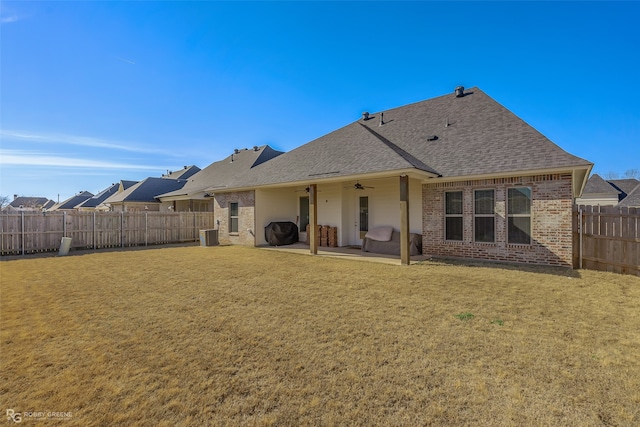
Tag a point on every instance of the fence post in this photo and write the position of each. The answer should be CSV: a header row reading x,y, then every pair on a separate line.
x,y
146,228
122,229
64,223
580,237
94,230
22,230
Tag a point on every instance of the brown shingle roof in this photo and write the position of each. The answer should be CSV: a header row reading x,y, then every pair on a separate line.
x,y
632,200
597,185
482,137
475,136
226,172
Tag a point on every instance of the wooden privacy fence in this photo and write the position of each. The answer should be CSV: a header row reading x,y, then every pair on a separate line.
x,y
28,232
607,238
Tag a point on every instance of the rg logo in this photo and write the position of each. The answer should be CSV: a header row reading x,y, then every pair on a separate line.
x,y
13,415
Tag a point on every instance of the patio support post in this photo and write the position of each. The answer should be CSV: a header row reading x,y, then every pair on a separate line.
x,y
313,219
405,257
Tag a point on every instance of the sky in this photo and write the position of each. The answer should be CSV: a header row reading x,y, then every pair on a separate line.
x,y
93,92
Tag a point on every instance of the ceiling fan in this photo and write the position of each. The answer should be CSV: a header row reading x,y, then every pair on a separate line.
x,y
305,190
358,186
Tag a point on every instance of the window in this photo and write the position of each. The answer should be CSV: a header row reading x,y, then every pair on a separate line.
x,y
364,216
519,215
233,217
453,215
484,216
304,214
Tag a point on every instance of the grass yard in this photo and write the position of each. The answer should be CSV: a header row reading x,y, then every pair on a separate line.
x,y
244,336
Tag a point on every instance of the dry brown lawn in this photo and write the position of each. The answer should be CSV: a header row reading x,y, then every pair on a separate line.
x,y
244,336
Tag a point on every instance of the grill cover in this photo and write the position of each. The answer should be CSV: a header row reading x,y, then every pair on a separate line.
x,y
281,233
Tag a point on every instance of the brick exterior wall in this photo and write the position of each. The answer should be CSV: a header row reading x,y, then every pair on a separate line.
x,y
246,218
551,228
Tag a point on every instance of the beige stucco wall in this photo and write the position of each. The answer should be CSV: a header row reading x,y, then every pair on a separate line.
x,y
280,204
336,204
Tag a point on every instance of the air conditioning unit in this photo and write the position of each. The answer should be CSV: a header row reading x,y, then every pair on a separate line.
x,y
209,238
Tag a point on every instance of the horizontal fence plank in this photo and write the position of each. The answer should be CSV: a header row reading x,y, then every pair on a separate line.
x,y
28,232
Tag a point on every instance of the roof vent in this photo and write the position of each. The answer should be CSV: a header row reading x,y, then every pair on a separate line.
x,y
236,151
185,167
365,115
381,119
255,148
432,138
459,92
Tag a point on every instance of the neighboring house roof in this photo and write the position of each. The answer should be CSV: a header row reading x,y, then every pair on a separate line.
x,y
96,200
73,201
224,172
49,204
447,136
124,184
183,173
618,192
624,186
147,190
632,200
597,185
29,202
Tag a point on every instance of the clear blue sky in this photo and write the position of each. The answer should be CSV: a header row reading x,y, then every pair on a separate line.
x,y
95,92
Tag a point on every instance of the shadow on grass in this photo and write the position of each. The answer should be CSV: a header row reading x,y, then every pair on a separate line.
x,y
540,269
85,251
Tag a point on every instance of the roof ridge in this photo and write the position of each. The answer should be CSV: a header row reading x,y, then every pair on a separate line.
x,y
399,151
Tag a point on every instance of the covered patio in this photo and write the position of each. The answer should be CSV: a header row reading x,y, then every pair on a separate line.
x,y
345,252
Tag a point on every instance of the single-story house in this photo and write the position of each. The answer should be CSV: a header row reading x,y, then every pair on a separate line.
x,y
96,202
459,170
632,199
196,195
141,196
72,202
613,192
32,204
184,173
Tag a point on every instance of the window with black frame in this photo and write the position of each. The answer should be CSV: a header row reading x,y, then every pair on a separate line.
x,y
453,216
519,215
484,216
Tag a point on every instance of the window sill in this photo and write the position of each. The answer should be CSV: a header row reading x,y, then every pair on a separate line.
x,y
234,234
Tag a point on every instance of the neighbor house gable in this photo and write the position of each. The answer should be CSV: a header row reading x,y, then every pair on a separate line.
x,y
221,174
